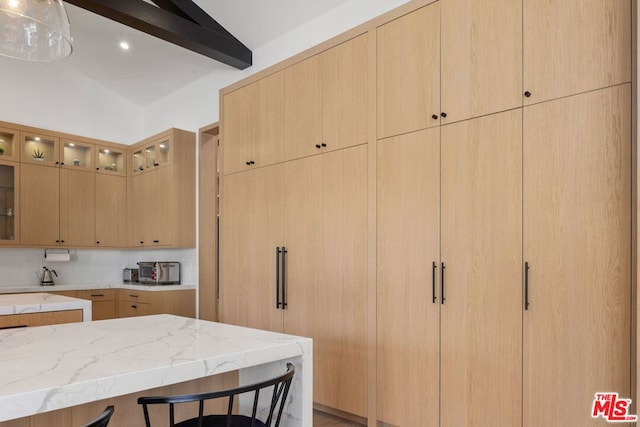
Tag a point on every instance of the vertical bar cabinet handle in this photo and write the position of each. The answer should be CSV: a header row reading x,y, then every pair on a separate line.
x,y
442,298
284,275
526,285
277,276
434,267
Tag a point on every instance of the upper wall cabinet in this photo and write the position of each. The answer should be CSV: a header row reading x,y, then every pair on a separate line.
x,y
39,149
325,100
408,62
572,46
9,144
253,124
110,161
152,153
481,57
77,155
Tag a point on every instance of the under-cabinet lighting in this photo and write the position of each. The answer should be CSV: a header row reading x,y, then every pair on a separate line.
x,y
37,138
106,151
71,144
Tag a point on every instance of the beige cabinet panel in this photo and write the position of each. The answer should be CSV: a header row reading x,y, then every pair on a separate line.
x,y
39,148
9,203
250,231
77,208
40,319
408,66
481,57
573,46
408,247
325,217
344,99
9,143
253,124
39,205
111,211
481,317
303,108
577,230
77,155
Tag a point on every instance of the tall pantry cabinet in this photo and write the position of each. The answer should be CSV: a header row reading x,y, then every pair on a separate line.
x,y
294,228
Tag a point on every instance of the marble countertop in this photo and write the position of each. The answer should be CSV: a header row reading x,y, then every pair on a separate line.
x,y
84,286
42,302
52,367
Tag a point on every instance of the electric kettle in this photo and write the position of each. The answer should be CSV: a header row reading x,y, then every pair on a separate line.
x,y
47,278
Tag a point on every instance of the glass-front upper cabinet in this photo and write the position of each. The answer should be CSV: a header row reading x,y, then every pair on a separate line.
x,y
153,154
9,203
9,144
77,155
111,161
39,148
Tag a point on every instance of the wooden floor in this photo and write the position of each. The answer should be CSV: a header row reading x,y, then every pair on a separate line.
x,y
321,419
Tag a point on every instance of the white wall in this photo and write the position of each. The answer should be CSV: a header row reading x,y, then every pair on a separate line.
x,y
55,96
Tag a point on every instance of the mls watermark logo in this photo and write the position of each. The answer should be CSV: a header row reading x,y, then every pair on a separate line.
x,y
612,408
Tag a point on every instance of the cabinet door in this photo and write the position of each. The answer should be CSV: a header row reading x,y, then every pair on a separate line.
x,y
161,213
408,60
251,229
39,148
9,142
111,210
326,239
77,208
143,203
481,57
39,205
408,305
577,231
9,203
77,155
344,88
303,108
481,317
571,46
110,161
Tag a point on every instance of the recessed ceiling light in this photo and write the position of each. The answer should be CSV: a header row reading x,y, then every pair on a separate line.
x,y
124,45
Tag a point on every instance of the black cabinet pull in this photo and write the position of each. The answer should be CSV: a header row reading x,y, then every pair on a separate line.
x,y
97,169
156,241
13,327
318,146
323,144
442,298
61,241
284,275
526,286
134,296
62,164
134,306
434,117
141,242
433,282
252,162
98,242
97,295
57,241
527,93
57,163
443,114
247,163
278,303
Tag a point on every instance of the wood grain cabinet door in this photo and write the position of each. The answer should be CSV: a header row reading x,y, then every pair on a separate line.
x,y
39,205
573,46
111,211
325,225
77,208
577,231
408,67
481,57
408,255
481,317
251,230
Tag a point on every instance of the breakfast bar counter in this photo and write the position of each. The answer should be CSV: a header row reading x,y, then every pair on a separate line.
x,y
59,366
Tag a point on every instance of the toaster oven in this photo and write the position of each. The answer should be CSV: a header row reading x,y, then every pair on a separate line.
x,y
159,272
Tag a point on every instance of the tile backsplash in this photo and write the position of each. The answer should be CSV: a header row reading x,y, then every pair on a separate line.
x,y
18,267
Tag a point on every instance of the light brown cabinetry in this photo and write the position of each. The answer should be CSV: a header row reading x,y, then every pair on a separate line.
x,y
111,212
40,319
77,208
9,144
446,198
9,203
141,303
569,48
446,62
325,100
321,203
162,197
577,230
39,205
103,302
39,148
253,124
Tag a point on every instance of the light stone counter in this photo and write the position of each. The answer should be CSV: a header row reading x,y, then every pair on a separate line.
x,y
84,286
42,302
52,367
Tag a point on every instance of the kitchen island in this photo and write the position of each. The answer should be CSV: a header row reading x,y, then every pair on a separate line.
x,y
39,302
61,366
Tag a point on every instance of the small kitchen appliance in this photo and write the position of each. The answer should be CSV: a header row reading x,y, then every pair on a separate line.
x,y
130,275
159,272
47,278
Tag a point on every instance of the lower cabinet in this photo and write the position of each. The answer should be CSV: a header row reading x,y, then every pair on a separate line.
x,y
103,302
40,319
141,303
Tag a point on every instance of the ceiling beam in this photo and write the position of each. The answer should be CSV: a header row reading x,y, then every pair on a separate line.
x,y
184,28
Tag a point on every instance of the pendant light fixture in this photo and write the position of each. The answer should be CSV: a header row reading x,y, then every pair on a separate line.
x,y
34,30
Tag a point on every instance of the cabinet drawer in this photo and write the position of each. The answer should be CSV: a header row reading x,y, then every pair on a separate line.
x,y
135,296
132,309
98,294
39,319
